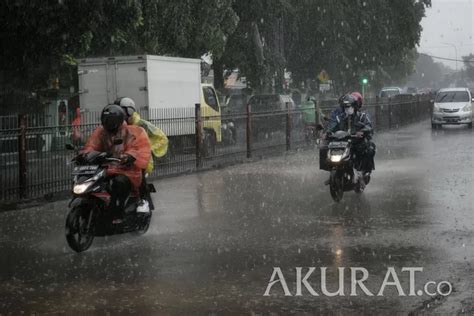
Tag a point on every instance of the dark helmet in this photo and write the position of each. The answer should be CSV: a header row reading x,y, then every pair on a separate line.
x,y
112,117
127,104
347,101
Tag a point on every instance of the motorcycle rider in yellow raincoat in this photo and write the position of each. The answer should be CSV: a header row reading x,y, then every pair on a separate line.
x,y
158,139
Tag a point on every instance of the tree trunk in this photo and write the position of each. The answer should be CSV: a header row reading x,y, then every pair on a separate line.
x,y
278,44
257,40
218,74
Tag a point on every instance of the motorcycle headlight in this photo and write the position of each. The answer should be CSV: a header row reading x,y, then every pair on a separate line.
x,y
336,158
81,188
467,108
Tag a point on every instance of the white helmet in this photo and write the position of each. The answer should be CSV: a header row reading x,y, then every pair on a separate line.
x,y
127,104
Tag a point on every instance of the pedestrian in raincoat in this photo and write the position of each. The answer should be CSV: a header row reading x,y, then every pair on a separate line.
x,y
312,114
158,139
134,151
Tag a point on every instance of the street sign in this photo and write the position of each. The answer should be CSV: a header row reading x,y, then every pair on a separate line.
x,y
323,76
324,87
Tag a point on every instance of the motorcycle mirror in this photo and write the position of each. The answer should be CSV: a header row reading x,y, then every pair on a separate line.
x,y
69,146
118,141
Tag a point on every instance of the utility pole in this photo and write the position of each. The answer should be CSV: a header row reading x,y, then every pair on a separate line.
x,y
455,52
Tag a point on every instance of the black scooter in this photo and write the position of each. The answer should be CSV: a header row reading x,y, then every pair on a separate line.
x,y
89,213
345,175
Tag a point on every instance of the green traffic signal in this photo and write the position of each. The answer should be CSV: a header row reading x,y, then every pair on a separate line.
x,y
365,81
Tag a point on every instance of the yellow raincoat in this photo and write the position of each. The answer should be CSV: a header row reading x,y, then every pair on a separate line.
x,y
158,139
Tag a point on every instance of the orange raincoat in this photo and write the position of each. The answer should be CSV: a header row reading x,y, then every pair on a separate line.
x,y
135,143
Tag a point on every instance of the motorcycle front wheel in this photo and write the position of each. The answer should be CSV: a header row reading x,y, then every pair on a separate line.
x,y
79,232
336,185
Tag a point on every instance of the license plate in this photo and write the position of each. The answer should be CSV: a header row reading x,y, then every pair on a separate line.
x,y
337,145
85,169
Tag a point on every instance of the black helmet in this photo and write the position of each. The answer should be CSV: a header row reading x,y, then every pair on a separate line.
x,y
347,101
112,117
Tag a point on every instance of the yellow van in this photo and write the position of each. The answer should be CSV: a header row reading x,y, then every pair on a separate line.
x,y
211,116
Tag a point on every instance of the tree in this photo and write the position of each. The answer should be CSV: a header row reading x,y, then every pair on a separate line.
x,y
258,47
469,63
263,39
39,39
351,38
54,34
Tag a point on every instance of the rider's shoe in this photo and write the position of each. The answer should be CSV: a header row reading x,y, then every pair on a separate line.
x,y
362,184
143,206
367,177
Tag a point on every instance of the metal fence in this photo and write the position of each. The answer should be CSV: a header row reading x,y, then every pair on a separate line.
x,y
35,163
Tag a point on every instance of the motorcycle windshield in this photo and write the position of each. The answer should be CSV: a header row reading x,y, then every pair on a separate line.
x,y
341,135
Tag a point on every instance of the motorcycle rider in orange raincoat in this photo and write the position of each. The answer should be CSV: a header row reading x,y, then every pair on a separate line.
x,y
133,150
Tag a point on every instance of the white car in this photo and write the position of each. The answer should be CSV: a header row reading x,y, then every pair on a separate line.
x,y
388,92
452,106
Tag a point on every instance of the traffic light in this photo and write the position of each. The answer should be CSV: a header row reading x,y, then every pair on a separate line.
x,y
365,81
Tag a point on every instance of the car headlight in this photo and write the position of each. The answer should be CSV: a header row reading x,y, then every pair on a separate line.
x,y
467,108
436,108
336,158
81,188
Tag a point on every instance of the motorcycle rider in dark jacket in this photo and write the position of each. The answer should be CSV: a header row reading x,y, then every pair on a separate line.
x,y
357,123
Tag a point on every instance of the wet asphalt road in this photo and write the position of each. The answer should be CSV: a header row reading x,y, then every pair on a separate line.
x,y
216,237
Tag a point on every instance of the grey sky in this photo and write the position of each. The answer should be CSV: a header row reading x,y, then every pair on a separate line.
x,y
448,21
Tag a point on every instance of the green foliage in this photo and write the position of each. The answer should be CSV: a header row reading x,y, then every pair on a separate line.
x,y
428,73
262,38
469,63
348,38
41,37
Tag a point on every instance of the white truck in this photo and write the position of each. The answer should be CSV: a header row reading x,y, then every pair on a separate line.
x,y
165,91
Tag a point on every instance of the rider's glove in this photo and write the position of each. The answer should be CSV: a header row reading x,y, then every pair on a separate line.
x,y
127,160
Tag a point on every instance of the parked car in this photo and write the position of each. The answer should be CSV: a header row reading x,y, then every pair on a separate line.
x,y
233,121
389,92
273,119
411,91
235,104
452,106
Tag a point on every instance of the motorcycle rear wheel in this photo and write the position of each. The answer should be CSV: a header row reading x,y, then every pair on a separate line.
x,y
336,185
79,232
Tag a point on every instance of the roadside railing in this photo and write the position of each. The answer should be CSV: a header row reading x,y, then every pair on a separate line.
x,y
34,162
